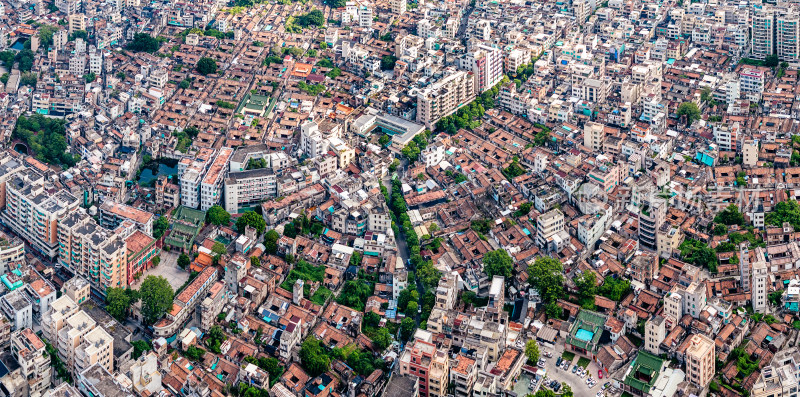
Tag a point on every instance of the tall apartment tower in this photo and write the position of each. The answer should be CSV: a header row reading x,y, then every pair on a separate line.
x,y
759,287
763,32
787,34
486,64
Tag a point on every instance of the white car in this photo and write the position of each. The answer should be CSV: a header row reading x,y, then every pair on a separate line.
x,y
599,394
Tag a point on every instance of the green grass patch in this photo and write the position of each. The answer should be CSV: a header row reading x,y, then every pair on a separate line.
x,y
569,356
583,362
321,295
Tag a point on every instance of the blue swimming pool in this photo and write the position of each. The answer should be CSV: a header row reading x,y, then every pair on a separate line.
x,y
584,335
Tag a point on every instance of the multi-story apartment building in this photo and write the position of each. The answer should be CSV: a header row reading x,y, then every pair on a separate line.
x,y
550,230
700,360
486,64
97,381
95,253
77,289
751,81
55,318
249,187
70,336
96,347
12,250
33,213
444,97
33,359
463,374
655,331
594,136
787,34
760,286
762,32
429,365
651,215
113,214
211,185
212,305
141,249
18,309
780,377
398,7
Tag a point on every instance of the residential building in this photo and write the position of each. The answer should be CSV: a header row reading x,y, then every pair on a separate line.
x,y
33,359
113,214
77,289
444,97
700,360
55,318
18,309
96,347
211,185
32,213
655,331
429,365
550,233
762,32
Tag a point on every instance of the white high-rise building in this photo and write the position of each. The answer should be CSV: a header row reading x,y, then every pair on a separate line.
x,y
486,63
398,6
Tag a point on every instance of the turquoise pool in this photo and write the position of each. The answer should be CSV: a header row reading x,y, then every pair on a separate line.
x,y
584,335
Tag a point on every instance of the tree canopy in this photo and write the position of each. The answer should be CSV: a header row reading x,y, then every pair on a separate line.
x,y
206,66
313,18
156,295
532,351
545,274
498,263
217,215
313,358
271,242
785,211
252,219
730,216
690,111
45,137
143,42
117,303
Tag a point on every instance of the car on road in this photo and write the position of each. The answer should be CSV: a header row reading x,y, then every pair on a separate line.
x,y
599,374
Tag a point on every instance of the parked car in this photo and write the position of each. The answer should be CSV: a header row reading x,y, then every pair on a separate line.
x,y
599,374
558,362
574,369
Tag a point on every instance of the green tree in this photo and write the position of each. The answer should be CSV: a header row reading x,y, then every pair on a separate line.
x,y
313,358
689,111
251,219
157,295
215,338
532,351
160,226
217,215
553,310
117,303
206,66
586,284
255,262
184,261
407,328
730,216
143,42
615,288
388,61
271,242
382,338
412,308
545,274
139,347
156,260
785,211
771,61
498,263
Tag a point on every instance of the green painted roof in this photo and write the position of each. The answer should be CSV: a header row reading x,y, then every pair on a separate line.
x,y
647,365
589,321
